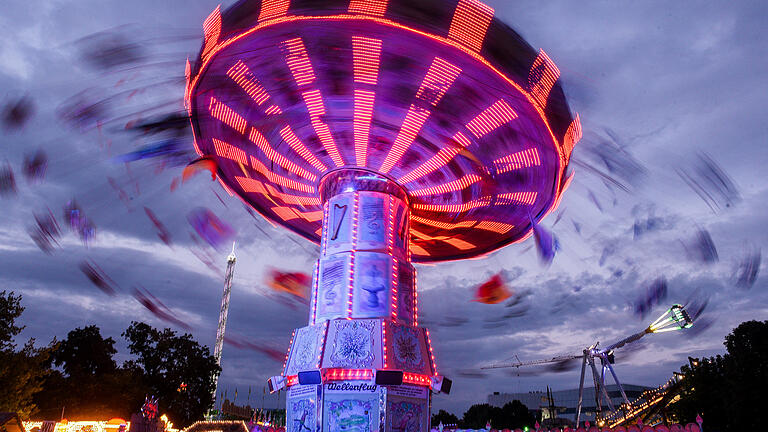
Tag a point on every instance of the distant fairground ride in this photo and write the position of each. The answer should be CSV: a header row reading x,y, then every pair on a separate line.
x,y
386,131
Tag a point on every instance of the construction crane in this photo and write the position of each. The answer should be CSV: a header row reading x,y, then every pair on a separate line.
x,y
674,318
223,312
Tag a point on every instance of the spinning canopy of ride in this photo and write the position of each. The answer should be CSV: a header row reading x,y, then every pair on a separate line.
x,y
438,96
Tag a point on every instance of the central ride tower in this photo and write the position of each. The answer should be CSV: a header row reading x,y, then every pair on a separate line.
x,y
362,363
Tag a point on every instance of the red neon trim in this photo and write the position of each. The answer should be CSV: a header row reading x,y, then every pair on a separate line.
x,y
212,30
273,109
287,354
572,136
314,102
431,354
470,23
439,78
491,118
322,346
366,53
244,78
229,151
298,61
454,208
257,138
273,9
384,343
291,380
368,7
542,77
517,160
276,178
416,294
226,115
452,186
301,149
439,160
301,201
517,198
313,309
498,227
460,244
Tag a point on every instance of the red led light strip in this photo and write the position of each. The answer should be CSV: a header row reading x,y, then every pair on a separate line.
x,y
298,61
459,243
269,192
287,213
324,228
287,354
454,208
366,53
452,186
297,200
572,136
416,295
418,250
517,198
301,149
248,82
498,227
211,31
491,118
391,252
542,77
314,102
439,78
439,160
322,345
276,178
355,215
273,9
273,109
227,115
368,7
470,23
257,138
384,342
315,288
187,77
517,160
229,151
418,379
361,124
431,354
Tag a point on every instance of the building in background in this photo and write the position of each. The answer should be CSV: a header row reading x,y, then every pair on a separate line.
x,y
567,400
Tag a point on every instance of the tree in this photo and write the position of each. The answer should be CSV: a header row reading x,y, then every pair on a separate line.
x,y
85,353
21,372
728,391
10,311
89,384
514,415
478,415
167,361
444,417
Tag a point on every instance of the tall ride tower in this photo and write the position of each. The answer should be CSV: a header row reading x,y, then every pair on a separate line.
x,y
224,311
